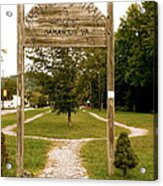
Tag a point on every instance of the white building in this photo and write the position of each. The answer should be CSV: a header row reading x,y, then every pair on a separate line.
x,y
11,103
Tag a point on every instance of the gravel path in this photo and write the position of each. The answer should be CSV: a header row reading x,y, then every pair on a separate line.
x,y
64,162
9,129
135,132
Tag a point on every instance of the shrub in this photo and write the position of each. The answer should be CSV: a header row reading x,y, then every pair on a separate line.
x,y
4,154
125,158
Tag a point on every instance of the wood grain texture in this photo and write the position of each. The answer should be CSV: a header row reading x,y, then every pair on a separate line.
x,y
76,41
20,92
63,24
110,88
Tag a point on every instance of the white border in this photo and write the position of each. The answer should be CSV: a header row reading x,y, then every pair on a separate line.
x,y
47,182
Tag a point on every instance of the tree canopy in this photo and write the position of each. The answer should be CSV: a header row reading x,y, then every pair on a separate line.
x,y
70,76
136,57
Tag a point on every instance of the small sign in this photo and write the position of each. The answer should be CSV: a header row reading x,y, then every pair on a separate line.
x,y
5,93
111,94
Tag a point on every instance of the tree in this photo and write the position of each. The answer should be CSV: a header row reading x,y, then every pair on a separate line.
x,y
35,89
91,83
63,84
136,57
125,158
9,84
59,65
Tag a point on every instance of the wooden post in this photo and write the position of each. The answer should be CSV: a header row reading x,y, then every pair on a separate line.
x,y
20,91
110,89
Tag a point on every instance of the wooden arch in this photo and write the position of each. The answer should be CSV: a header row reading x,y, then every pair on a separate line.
x,y
65,25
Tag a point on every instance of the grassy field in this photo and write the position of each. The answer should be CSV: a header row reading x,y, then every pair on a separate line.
x,y
10,119
83,126
93,153
141,120
96,162
35,156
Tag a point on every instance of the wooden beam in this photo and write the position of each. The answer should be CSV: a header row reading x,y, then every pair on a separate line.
x,y
53,31
83,41
20,91
77,45
61,21
110,89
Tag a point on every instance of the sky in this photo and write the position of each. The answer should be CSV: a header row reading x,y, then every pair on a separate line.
x,y
9,32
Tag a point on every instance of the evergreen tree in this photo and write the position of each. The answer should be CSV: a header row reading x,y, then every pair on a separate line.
x,y
63,84
125,158
60,67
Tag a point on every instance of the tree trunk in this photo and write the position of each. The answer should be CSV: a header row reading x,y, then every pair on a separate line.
x,y
124,172
69,118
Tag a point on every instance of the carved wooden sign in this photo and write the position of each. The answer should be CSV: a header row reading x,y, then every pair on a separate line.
x,y
65,25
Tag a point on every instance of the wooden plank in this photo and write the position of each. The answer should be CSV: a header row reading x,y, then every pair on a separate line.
x,y
86,11
76,45
64,23
110,89
90,28
50,26
70,8
20,92
65,32
61,41
70,20
78,14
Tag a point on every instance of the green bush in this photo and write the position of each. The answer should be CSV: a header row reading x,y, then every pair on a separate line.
x,y
125,158
4,154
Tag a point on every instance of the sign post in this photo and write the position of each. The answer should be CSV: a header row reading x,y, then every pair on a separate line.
x,y
20,91
110,89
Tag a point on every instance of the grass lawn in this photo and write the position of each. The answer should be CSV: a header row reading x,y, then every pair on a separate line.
x,y
10,119
93,153
140,120
83,126
96,162
35,156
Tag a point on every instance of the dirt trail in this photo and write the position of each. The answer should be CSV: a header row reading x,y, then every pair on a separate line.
x,y
135,132
9,129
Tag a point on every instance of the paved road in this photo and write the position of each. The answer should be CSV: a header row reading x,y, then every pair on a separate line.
x,y
4,112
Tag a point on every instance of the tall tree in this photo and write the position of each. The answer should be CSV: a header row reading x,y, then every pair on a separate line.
x,y
92,79
60,65
136,57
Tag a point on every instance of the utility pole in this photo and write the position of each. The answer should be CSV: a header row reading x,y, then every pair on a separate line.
x,y
20,91
110,88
